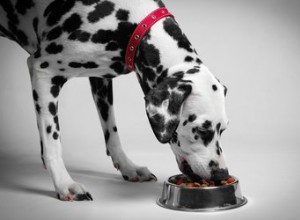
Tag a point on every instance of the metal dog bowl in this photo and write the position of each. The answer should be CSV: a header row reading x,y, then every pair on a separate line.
x,y
201,199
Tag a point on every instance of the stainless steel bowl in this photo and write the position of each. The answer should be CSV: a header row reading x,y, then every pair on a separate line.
x,y
201,199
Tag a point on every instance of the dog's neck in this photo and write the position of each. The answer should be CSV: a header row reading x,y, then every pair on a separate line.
x,y
163,52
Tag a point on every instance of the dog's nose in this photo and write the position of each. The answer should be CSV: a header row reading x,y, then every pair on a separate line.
x,y
219,174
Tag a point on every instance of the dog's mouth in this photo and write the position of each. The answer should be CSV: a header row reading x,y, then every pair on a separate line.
x,y
217,175
187,170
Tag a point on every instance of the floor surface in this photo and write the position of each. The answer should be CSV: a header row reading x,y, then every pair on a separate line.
x,y
26,189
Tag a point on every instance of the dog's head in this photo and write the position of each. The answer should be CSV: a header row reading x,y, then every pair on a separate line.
x,y
187,110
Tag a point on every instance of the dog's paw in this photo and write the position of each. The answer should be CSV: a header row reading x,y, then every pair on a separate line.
x,y
137,174
73,192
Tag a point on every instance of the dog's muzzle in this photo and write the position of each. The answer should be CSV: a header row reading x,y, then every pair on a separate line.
x,y
216,174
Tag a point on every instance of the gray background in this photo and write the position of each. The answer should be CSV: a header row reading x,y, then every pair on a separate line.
x,y
252,46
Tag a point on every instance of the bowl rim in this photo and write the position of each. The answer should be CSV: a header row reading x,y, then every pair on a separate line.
x,y
202,187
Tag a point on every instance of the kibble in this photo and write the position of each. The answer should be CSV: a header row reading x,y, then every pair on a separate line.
x,y
183,181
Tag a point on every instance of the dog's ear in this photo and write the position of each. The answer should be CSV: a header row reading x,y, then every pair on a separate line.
x,y
163,106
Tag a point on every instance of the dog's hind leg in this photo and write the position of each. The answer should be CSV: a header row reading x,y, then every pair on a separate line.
x,y
103,96
46,87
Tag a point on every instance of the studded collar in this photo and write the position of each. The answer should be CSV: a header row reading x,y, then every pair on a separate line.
x,y
140,32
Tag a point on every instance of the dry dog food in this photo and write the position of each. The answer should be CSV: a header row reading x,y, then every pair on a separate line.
x,y
183,181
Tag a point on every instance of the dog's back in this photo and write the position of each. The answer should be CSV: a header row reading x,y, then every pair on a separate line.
x,y
78,31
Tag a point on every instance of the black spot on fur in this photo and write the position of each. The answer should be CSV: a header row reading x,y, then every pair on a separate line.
x,y
52,108
151,54
225,90
115,129
59,80
106,136
55,91
54,33
55,119
185,123
192,71
218,127
54,48
79,35
205,134
42,153
159,3
118,67
23,5
206,124
219,149
192,118
57,83
88,2
188,59
214,87
87,65
102,10
221,131
213,164
122,15
159,69
109,76
56,9
198,61
35,95
44,65
172,28
104,107
37,108
102,36
49,129
59,62
112,46
62,69
55,135
72,23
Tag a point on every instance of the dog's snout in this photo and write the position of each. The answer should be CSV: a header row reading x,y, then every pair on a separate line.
x,y
219,174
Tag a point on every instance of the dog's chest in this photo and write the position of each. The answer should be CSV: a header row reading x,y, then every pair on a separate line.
x,y
78,37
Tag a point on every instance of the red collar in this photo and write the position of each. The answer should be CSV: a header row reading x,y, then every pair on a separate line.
x,y
140,32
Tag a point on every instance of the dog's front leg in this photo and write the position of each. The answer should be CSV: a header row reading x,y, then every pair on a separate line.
x,y
46,87
103,97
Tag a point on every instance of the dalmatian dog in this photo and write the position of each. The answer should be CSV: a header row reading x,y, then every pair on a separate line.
x,y
184,102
